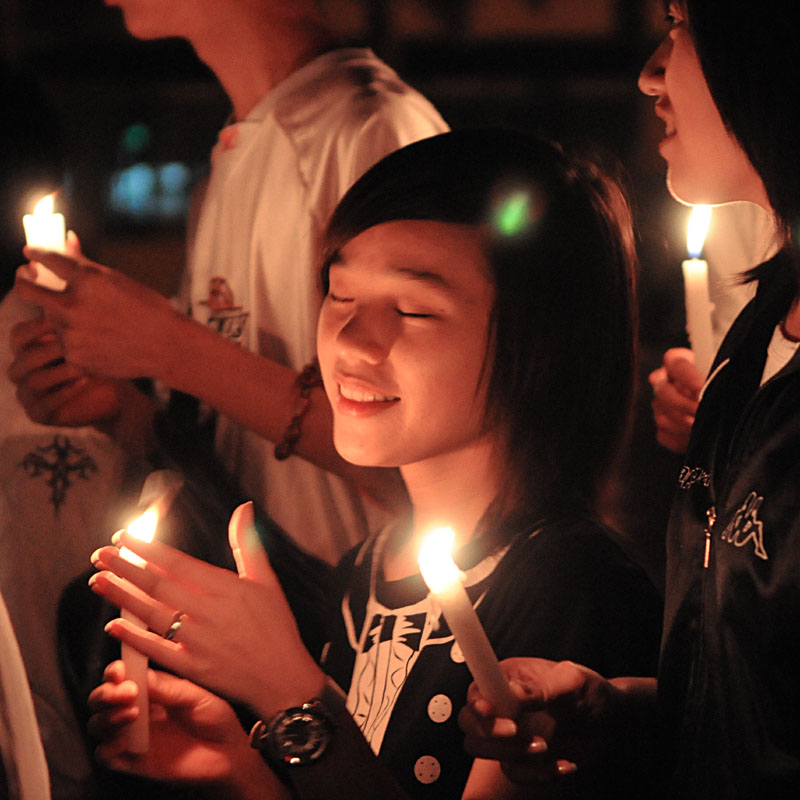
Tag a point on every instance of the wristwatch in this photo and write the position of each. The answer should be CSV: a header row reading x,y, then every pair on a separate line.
x,y
299,735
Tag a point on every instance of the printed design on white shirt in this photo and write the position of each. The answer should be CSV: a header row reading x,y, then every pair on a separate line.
x,y
746,527
59,461
224,316
689,476
392,646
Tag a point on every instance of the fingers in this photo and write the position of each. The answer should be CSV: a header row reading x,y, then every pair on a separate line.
x,y
168,573
135,588
251,560
123,594
540,772
676,390
72,246
113,703
680,367
29,331
65,266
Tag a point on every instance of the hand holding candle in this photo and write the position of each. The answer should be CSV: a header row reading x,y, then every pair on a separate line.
x,y
698,304
143,527
443,578
158,491
46,229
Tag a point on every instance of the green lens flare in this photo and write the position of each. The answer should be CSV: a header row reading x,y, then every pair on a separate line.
x,y
513,214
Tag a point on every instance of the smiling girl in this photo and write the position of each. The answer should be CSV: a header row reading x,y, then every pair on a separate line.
x,y
477,332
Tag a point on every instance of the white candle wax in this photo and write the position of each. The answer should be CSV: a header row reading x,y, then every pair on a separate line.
x,y
695,283
136,671
143,527
698,313
46,229
444,581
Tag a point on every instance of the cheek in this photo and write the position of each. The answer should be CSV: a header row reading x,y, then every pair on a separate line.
x,y
326,338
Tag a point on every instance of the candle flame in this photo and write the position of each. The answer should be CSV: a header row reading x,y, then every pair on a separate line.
x,y
436,562
44,208
144,528
696,231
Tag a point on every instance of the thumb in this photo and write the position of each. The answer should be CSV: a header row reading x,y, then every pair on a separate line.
x,y
251,560
72,245
170,690
54,270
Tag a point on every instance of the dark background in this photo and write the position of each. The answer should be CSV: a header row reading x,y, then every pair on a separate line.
x,y
101,102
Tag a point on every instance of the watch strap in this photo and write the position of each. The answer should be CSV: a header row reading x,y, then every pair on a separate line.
x,y
318,713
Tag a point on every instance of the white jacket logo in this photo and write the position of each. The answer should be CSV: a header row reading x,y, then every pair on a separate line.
x,y
747,527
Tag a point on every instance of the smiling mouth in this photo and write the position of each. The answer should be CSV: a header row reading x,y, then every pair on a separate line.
x,y
360,396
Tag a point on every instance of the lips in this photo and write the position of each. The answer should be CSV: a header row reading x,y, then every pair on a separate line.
x,y
358,397
662,112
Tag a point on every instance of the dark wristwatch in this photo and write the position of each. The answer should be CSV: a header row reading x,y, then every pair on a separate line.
x,y
299,735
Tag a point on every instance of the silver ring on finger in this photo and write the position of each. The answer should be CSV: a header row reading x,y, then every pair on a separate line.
x,y
175,626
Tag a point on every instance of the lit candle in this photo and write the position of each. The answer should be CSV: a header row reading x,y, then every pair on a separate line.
x,y
443,578
144,528
46,229
695,279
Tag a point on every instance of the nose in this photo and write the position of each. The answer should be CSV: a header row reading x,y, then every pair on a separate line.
x,y
366,336
651,78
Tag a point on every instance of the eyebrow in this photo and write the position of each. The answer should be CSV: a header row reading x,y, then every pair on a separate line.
x,y
417,274
423,276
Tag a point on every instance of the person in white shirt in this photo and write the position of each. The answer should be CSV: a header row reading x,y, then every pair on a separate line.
x,y
308,119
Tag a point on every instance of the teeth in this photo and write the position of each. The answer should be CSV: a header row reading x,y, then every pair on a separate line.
x,y
360,396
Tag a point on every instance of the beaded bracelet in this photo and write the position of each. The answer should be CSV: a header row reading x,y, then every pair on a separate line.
x,y
308,379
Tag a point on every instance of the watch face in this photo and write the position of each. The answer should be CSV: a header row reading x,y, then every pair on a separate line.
x,y
299,736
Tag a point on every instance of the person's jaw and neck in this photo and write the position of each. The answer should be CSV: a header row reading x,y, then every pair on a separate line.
x,y
250,45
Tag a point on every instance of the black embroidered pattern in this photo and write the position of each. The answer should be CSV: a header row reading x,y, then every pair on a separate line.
x,y
60,460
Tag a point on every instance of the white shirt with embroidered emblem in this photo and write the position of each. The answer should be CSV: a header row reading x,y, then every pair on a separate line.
x,y
59,500
276,178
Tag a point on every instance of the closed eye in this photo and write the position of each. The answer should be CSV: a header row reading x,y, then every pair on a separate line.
x,y
414,315
337,299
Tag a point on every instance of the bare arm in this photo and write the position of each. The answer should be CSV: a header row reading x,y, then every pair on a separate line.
x,y
570,720
111,325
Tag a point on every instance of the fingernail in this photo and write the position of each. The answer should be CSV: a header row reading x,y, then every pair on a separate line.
x,y
26,272
567,767
115,539
93,580
505,727
537,745
482,707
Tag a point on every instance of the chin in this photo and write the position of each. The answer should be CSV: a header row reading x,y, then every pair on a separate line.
x,y
687,194
692,192
361,454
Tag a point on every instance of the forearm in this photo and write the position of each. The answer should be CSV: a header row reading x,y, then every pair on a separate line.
x,y
637,699
348,769
635,733
261,395
251,780
132,427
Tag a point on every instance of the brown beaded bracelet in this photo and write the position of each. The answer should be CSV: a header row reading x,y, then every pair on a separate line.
x,y
308,379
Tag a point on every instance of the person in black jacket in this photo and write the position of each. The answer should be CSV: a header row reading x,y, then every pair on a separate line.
x,y
726,700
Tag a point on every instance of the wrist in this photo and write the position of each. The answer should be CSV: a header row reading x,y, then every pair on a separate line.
x,y
179,348
250,779
132,426
300,734
305,685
